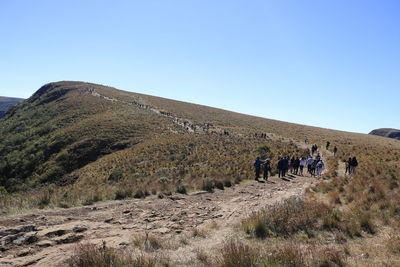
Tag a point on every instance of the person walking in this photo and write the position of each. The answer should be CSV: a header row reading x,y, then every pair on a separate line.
x,y
320,167
266,168
327,145
296,165
285,166
257,167
302,163
309,162
280,167
347,163
353,165
334,150
314,167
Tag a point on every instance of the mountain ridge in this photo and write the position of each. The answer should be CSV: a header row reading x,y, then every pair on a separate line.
x,y
387,132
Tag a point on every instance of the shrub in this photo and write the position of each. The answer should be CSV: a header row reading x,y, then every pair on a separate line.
x,y
181,189
287,217
139,194
237,254
208,184
367,225
122,194
219,185
260,229
116,175
227,183
91,200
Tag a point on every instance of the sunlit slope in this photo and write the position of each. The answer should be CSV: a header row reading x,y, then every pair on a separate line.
x,y
62,127
69,131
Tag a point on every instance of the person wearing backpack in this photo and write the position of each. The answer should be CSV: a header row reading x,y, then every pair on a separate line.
x,y
257,167
353,165
314,167
267,168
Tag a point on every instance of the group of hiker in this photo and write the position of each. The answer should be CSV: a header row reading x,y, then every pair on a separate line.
x,y
293,165
296,165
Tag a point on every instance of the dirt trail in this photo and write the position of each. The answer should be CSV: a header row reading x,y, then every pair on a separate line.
x,y
46,238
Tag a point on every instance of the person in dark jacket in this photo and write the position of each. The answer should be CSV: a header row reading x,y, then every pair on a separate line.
x,y
285,166
334,151
353,165
257,167
267,168
296,166
327,145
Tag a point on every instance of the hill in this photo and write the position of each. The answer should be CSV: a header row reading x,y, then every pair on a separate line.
x,y
88,162
387,132
6,103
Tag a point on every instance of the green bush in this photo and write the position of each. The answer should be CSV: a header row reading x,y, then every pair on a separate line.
x,y
122,194
116,175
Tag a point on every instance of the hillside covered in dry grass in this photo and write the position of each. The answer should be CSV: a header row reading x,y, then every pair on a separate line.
x,y
75,144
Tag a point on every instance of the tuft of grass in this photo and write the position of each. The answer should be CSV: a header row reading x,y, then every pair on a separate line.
x,y
103,256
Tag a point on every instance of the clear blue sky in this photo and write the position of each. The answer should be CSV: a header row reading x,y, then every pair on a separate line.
x,y
331,63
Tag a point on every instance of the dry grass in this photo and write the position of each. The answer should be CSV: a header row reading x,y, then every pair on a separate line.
x,y
103,256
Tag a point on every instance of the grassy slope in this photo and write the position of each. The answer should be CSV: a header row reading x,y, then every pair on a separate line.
x,y
79,130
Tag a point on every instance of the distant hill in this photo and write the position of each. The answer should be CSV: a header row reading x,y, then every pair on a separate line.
x,y
387,132
6,103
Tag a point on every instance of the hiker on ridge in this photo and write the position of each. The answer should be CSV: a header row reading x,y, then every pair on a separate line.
x,y
327,145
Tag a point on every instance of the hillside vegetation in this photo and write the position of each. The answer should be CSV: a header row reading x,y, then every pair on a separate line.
x,y
74,143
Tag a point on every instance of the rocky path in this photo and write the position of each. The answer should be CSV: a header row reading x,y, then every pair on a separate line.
x,y
47,238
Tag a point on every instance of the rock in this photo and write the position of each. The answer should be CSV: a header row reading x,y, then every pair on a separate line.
x,y
59,232
108,220
44,244
23,253
79,229
126,211
72,238
13,231
31,239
